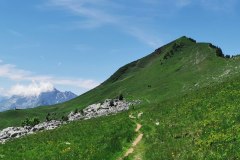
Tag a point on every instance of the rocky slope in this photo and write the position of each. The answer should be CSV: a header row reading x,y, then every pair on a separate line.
x,y
92,111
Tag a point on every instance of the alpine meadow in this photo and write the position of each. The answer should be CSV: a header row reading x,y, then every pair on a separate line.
x,y
185,105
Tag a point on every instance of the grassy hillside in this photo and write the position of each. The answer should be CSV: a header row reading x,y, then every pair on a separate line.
x,y
202,124
104,138
171,70
190,102
199,125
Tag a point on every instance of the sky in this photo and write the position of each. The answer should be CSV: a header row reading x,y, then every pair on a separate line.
x,y
74,45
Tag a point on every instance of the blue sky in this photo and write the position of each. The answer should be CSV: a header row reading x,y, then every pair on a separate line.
x,y
76,44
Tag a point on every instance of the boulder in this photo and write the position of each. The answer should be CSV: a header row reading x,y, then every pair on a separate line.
x,y
74,116
12,132
92,111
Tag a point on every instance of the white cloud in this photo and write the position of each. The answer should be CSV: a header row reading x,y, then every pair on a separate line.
x,y
11,72
15,33
97,13
79,7
86,84
41,82
145,37
213,5
219,5
183,3
32,89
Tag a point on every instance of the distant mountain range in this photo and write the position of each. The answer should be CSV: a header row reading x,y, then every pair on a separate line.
x,y
44,99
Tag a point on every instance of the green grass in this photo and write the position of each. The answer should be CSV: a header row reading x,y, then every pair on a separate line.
x,y
194,95
151,79
104,138
199,125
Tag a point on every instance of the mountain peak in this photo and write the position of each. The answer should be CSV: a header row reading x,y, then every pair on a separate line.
x,y
184,51
43,99
185,39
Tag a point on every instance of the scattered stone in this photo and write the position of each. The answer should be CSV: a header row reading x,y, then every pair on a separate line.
x,y
132,117
98,110
92,111
16,132
140,114
67,143
46,126
74,116
12,132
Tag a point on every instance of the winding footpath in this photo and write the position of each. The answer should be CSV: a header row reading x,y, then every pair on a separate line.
x,y
135,142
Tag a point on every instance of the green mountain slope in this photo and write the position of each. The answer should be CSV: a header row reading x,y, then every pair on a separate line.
x,y
171,70
203,124
198,125
190,100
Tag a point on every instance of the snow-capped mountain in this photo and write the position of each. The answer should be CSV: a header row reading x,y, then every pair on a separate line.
x,y
44,99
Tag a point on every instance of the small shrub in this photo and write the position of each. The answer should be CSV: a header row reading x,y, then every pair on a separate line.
x,y
76,111
35,121
51,116
81,111
64,118
167,55
227,56
120,97
176,47
212,46
193,40
48,117
25,122
111,103
30,122
219,52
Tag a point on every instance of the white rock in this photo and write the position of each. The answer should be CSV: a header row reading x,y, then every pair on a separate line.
x,y
92,111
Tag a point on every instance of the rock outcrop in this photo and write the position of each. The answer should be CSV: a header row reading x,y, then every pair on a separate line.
x,y
96,110
92,111
16,132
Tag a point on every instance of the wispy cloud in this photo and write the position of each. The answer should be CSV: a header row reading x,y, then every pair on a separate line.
x,y
132,17
97,13
88,9
11,72
213,5
174,4
17,75
15,33
183,3
145,37
219,5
